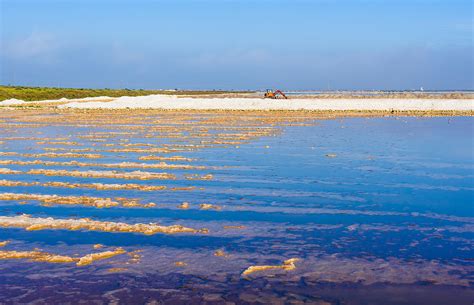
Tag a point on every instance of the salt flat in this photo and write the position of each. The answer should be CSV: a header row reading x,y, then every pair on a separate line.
x,y
174,102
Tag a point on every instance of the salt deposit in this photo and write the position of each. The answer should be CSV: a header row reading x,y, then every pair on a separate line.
x,y
34,224
12,101
15,102
173,102
40,256
287,265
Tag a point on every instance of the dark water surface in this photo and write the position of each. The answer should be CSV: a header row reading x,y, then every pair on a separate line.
x,y
377,210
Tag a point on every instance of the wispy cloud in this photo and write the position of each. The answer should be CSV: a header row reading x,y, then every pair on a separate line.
x,y
37,45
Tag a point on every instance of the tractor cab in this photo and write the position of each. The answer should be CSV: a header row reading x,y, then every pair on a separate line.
x,y
269,94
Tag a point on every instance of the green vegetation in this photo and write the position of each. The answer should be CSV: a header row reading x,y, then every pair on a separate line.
x,y
44,93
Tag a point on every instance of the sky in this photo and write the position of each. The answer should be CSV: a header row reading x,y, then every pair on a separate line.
x,y
232,44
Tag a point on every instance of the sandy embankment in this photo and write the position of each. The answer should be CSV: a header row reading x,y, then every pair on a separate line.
x,y
16,102
338,104
173,102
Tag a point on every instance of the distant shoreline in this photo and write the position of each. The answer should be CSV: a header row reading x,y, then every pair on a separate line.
x,y
369,102
30,94
187,103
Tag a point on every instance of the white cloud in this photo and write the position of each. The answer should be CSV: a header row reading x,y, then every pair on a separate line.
x,y
35,45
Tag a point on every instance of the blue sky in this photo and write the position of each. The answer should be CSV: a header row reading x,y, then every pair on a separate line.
x,y
232,44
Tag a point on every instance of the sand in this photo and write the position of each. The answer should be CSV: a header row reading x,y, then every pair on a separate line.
x,y
174,102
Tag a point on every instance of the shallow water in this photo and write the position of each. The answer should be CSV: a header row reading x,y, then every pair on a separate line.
x,y
375,209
